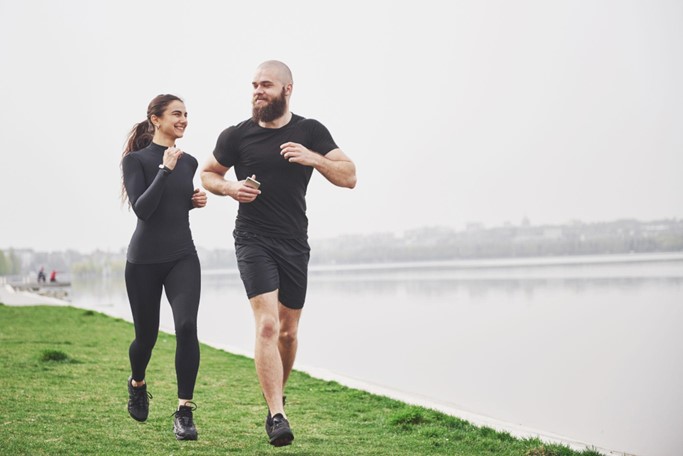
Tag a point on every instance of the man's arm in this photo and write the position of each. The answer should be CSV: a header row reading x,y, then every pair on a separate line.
x,y
335,166
213,180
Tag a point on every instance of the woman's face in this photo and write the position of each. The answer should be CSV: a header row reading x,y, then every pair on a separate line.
x,y
173,121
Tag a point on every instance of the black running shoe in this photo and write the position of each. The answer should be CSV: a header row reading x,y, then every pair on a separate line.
x,y
183,426
269,419
138,401
279,432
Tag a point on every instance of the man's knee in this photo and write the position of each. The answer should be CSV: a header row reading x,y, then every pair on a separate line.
x,y
268,328
288,337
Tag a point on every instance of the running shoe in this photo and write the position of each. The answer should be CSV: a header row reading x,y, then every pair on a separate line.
x,y
183,425
279,432
138,401
269,419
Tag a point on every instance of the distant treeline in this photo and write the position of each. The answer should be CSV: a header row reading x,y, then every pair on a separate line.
x,y
9,263
424,244
438,243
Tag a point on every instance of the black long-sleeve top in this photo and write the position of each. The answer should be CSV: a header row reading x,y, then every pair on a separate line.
x,y
162,202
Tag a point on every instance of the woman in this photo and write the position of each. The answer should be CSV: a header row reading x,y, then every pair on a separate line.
x,y
157,181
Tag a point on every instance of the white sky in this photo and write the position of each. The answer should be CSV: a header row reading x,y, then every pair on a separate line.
x,y
454,112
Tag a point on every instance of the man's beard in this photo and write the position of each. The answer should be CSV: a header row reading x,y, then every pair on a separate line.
x,y
270,111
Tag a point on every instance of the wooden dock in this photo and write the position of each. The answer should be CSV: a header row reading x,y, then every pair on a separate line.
x,y
59,290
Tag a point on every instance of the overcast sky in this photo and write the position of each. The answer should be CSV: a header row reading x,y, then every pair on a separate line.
x,y
454,111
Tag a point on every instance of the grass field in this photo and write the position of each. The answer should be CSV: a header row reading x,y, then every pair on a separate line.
x,y
63,375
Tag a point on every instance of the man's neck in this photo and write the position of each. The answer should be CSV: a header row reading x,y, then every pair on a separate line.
x,y
279,122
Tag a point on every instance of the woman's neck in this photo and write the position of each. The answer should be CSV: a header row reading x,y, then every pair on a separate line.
x,y
163,140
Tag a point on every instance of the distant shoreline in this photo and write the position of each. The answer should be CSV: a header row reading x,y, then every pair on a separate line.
x,y
565,260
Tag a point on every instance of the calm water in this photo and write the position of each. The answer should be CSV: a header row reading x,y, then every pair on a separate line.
x,y
590,350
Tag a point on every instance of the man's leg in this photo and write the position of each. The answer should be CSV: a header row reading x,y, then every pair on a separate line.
x,y
269,364
288,341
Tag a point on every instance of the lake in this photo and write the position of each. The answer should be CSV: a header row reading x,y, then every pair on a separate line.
x,y
586,350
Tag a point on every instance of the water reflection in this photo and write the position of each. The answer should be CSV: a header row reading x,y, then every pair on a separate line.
x,y
113,289
479,281
480,287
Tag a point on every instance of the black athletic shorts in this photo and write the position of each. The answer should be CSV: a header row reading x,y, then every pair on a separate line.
x,y
267,264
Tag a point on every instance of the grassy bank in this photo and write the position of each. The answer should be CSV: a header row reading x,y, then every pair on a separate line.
x,y
63,378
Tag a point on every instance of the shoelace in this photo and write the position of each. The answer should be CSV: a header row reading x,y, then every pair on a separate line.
x,y
279,422
184,413
140,397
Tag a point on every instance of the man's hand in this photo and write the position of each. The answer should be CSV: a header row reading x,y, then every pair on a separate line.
x,y
296,153
335,165
243,193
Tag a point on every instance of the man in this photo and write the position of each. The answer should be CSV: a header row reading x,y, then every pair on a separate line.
x,y
277,150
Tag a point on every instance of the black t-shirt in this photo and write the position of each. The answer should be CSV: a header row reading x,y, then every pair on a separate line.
x,y
280,210
162,203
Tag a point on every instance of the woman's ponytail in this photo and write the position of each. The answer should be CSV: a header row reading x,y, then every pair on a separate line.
x,y
140,137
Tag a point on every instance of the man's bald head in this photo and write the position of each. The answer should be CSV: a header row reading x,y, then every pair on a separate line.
x,y
279,69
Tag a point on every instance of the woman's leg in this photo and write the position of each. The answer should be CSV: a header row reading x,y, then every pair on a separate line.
x,y
183,285
143,284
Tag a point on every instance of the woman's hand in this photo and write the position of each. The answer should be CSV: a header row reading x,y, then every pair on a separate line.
x,y
171,156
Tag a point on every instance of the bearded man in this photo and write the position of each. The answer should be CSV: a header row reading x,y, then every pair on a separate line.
x,y
274,154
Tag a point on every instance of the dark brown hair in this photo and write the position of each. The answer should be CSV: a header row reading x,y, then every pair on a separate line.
x,y
142,133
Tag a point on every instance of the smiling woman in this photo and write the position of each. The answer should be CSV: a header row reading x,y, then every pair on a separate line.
x,y
157,181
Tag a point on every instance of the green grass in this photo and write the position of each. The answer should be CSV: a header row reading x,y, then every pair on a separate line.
x,y
63,378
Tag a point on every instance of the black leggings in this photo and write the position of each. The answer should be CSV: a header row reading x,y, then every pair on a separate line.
x,y
182,281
